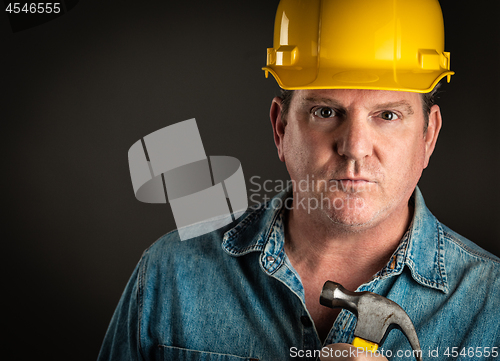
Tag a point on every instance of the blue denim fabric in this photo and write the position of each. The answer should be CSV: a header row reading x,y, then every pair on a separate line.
x,y
233,295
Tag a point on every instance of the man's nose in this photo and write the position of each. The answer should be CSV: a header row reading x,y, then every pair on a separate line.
x,y
355,138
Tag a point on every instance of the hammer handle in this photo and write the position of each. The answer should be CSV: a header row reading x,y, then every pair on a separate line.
x,y
364,344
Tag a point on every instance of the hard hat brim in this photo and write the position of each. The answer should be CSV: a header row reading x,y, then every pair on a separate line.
x,y
381,79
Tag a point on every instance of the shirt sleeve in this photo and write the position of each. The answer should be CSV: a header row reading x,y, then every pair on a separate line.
x,y
122,339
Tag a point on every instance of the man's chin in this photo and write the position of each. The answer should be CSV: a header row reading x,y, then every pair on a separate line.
x,y
350,212
350,204
351,224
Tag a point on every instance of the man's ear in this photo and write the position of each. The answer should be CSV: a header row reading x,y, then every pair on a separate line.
x,y
278,126
432,133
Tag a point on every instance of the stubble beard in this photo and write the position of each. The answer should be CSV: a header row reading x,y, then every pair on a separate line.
x,y
350,210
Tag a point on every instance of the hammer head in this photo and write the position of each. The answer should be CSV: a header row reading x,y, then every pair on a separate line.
x,y
376,315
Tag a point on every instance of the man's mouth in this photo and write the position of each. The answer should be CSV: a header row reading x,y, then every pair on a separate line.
x,y
352,183
353,180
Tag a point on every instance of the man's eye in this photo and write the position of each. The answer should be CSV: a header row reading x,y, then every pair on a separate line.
x,y
324,112
387,115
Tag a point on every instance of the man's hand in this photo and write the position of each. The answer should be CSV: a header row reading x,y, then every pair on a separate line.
x,y
346,352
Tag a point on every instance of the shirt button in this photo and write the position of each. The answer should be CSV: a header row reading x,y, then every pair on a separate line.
x,y
270,258
306,321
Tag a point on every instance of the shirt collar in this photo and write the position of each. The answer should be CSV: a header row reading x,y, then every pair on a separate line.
x,y
254,231
425,250
421,249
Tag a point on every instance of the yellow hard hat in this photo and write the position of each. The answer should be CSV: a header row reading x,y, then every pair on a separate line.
x,y
359,44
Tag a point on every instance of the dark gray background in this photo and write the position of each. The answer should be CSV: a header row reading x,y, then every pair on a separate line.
x,y
78,91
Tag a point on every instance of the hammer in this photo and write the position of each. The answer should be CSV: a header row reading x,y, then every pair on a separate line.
x,y
376,316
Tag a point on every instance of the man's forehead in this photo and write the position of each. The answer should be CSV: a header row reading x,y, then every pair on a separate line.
x,y
347,97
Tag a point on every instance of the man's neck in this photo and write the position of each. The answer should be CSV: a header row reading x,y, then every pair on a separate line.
x,y
317,246
321,250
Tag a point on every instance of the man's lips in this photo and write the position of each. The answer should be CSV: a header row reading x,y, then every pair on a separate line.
x,y
353,180
352,183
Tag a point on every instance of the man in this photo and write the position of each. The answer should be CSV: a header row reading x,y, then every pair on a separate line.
x,y
366,150
355,135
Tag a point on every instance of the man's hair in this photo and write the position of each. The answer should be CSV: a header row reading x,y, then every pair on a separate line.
x,y
428,100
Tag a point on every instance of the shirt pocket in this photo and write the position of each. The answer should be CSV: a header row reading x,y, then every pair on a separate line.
x,y
172,353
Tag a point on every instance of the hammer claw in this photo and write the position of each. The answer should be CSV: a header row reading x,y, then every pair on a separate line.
x,y
376,315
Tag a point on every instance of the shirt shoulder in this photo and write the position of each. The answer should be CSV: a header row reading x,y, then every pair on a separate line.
x,y
471,270
170,246
208,244
468,248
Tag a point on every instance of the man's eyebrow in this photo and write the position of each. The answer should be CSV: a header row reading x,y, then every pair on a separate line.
x,y
328,101
401,104
336,104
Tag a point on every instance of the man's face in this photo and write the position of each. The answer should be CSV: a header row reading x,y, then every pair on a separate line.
x,y
354,156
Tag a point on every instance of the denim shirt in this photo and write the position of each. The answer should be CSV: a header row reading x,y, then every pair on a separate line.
x,y
232,294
